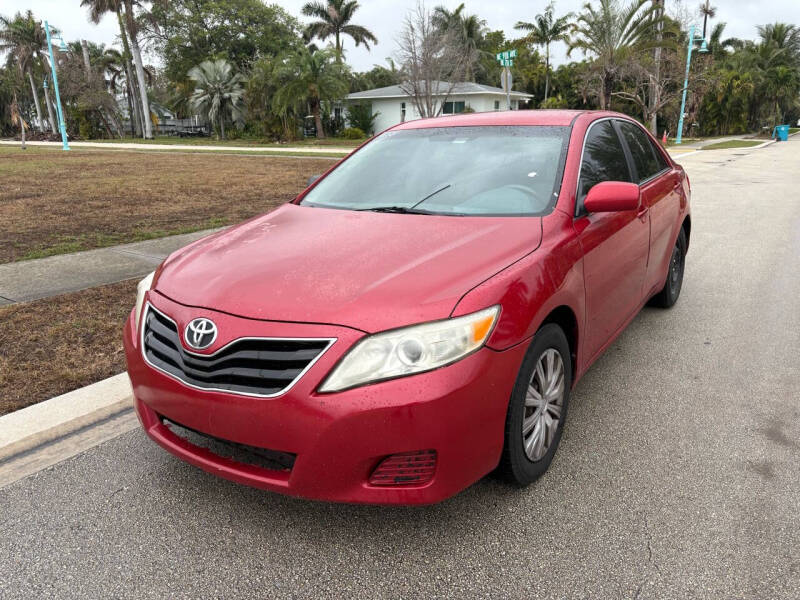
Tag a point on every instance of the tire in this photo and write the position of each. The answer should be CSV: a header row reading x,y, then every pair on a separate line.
x,y
668,295
518,465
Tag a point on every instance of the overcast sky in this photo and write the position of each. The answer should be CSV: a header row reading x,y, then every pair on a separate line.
x,y
384,18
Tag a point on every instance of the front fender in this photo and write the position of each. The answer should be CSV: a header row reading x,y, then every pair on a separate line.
x,y
531,288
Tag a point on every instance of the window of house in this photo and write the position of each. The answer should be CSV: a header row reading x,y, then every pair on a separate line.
x,y
453,108
497,104
402,112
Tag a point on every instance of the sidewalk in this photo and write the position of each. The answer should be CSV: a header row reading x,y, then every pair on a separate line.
x,y
33,279
322,150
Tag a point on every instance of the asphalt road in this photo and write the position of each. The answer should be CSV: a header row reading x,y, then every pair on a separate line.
x,y
678,475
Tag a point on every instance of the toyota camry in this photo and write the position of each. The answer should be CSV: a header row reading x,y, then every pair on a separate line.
x,y
417,317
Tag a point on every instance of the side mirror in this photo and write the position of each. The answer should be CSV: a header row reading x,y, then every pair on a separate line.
x,y
312,179
612,196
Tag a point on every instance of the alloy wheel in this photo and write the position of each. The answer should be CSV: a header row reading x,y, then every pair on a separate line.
x,y
544,401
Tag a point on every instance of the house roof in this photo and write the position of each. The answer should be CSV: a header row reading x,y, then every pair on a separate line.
x,y
512,118
459,89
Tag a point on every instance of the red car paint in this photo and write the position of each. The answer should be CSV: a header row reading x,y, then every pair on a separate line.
x,y
299,272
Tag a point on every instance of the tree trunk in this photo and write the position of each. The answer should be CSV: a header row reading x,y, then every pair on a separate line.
x,y
136,116
130,110
655,87
36,100
546,71
51,116
222,125
133,104
317,118
137,61
86,63
606,90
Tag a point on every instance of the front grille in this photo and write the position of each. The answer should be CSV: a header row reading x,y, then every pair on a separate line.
x,y
263,458
252,366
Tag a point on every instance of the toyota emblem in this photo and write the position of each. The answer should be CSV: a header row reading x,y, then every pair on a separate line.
x,y
200,333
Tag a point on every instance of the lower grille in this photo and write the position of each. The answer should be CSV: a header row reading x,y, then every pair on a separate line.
x,y
272,460
263,367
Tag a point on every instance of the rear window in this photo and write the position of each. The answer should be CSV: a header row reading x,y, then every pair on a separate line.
x,y
487,170
644,157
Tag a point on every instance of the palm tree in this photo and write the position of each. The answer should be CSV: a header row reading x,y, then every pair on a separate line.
x,y
545,30
612,32
469,30
128,30
16,115
219,92
334,21
312,75
783,37
20,37
708,12
133,30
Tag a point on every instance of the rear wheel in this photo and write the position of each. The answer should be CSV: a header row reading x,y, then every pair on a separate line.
x,y
668,295
538,407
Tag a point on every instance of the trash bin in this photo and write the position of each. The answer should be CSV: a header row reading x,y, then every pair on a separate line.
x,y
781,133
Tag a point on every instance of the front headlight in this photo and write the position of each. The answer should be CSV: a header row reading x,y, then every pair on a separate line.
x,y
141,289
411,350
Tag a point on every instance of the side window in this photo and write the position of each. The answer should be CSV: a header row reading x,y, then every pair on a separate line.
x,y
642,152
603,160
662,162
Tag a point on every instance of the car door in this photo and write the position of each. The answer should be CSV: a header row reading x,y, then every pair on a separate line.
x,y
615,244
660,187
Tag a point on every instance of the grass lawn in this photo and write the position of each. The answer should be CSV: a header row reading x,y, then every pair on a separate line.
x,y
52,346
733,144
53,202
210,141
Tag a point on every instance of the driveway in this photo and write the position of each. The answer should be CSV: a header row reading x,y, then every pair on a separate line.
x,y
678,474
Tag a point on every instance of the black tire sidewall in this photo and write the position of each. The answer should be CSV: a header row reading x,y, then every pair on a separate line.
x,y
674,291
516,465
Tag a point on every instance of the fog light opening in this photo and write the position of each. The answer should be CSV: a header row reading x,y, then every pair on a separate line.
x,y
407,468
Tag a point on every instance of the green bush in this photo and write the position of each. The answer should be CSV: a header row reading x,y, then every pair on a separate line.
x,y
352,133
360,116
554,102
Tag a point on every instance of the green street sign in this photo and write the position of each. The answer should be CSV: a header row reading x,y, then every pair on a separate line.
x,y
506,55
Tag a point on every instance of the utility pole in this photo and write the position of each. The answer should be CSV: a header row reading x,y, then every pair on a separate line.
x,y
61,125
703,48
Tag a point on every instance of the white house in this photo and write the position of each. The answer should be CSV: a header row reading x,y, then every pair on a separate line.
x,y
393,105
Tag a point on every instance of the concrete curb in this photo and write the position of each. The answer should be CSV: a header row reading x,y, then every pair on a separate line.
x,y
46,421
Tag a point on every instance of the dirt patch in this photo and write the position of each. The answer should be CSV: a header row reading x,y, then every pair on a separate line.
x,y
52,346
53,202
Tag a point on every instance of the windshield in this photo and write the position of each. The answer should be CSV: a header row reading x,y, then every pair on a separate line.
x,y
451,170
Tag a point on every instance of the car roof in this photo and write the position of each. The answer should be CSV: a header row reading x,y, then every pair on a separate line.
x,y
506,117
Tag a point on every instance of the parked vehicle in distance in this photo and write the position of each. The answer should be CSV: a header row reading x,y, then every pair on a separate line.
x,y
417,317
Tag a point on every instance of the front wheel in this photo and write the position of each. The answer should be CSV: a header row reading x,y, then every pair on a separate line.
x,y
668,295
538,407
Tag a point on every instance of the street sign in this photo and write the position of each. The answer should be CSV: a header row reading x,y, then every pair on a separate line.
x,y
506,55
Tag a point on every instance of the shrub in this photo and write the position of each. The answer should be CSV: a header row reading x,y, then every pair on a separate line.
x,y
360,116
554,102
353,133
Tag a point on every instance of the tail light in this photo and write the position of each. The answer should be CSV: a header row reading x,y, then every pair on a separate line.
x,y
408,468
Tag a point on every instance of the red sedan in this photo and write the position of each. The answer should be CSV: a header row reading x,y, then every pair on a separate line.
x,y
417,317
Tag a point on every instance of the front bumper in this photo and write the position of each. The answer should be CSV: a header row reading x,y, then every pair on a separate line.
x,y
338,438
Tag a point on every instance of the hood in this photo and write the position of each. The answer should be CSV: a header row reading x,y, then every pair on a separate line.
x,y
366,270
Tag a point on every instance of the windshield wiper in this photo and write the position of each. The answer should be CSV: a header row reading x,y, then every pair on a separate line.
x,y
406,210
409,210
